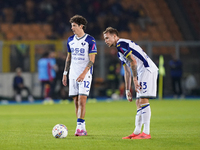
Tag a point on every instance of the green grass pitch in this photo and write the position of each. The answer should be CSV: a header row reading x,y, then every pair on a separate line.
x,y
175,125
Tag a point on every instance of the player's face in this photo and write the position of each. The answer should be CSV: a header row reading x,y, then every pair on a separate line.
x,y
109,39
76,28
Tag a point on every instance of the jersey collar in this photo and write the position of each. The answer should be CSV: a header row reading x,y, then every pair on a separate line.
x,y
80,37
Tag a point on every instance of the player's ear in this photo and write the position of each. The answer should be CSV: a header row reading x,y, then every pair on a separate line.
x,y
115,36
81,26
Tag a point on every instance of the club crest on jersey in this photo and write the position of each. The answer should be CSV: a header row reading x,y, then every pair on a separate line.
x,y
83,44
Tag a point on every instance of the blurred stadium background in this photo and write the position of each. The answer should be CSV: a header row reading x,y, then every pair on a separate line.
x,y
28,28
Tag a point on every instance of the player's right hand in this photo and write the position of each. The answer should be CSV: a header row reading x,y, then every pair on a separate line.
x,y
129,96
64,80
137,86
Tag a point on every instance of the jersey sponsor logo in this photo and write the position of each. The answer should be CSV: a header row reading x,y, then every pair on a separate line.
x,y
94,47
78,58
82,50
77,51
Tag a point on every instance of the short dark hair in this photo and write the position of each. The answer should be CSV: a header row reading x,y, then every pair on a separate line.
x,y
79,20
45,55
111,31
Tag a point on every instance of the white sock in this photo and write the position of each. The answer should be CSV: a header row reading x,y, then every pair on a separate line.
x,y
146,116
83,126
138,122
79,126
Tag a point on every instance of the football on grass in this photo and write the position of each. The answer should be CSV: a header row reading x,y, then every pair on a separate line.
x,y
60,131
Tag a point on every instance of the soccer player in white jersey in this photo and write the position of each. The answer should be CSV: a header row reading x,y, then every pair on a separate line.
x,y
145,75
79,63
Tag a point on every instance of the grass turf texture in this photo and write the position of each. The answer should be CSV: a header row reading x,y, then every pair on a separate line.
x,y
175,125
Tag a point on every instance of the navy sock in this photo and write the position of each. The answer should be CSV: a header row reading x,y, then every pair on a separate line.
x,y
80,120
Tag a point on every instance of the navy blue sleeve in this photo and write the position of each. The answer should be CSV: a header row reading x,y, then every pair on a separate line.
x,y
92,44
69,40
124,48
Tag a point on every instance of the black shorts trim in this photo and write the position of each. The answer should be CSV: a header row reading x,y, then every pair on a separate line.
x,y
84,94
149,97
78,95
72,95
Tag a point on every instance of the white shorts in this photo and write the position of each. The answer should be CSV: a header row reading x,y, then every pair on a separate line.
x,y
148,82
80,88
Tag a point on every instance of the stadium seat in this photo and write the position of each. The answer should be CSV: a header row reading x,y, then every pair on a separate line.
x,y
31,36
47,29
41,36
10,35
124,34
36,27
144,35
5,27
21,34
134,35
16,28
68,34
26,28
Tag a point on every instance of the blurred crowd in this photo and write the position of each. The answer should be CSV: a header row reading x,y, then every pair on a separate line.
x,y
99,14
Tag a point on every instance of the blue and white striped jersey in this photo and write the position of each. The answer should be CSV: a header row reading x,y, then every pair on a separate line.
x,y
80,49
127,47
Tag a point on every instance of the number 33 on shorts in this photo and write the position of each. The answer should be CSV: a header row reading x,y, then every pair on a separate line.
x,y
143,85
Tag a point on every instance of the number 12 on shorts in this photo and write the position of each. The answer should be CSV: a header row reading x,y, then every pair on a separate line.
x,y
86,84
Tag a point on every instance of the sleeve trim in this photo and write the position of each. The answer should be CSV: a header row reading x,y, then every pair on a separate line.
x,y
128,54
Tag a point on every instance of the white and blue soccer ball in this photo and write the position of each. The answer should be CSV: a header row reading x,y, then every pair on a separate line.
x,y
60,131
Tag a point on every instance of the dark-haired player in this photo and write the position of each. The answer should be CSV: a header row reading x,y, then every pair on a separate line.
x,y
79,63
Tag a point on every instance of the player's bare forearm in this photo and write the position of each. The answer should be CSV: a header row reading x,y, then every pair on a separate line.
x,y
127,77
91,62
133,65
67,62
67,66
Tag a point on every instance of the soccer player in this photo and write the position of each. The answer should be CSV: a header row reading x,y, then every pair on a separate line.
x,y
145,75
79,62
